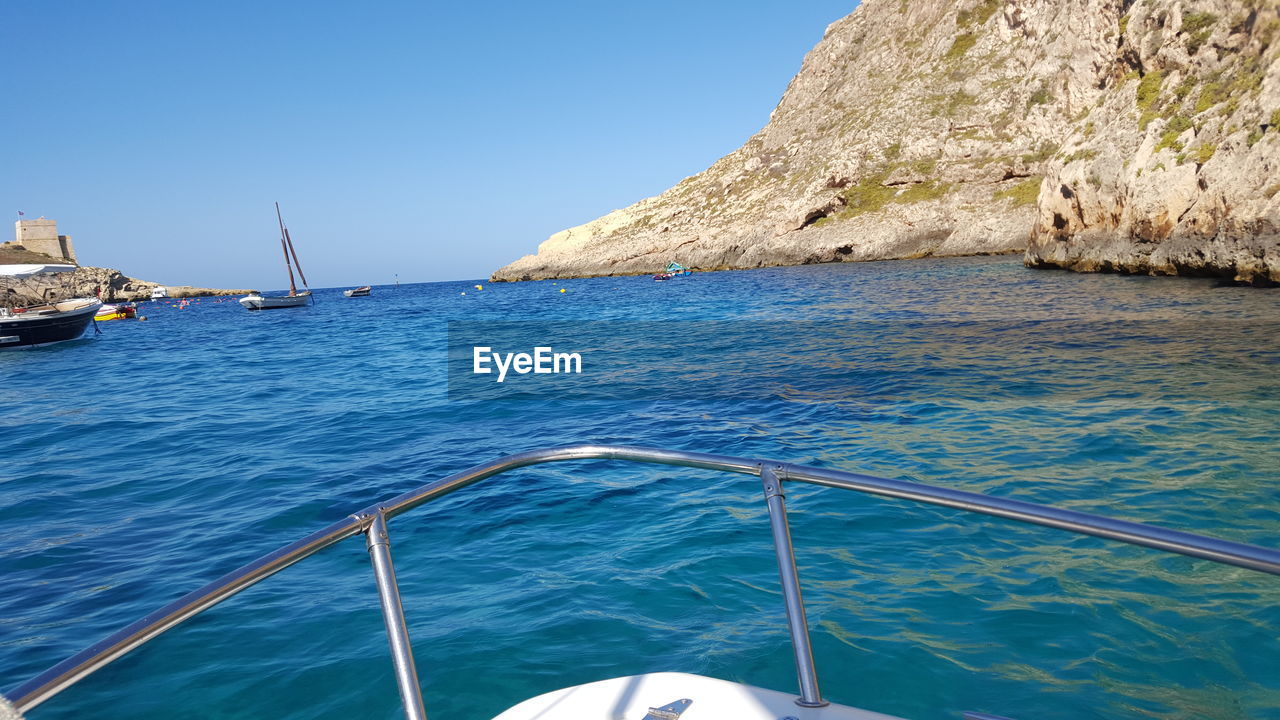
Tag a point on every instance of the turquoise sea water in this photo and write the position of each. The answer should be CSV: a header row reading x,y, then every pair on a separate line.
x,y
141,463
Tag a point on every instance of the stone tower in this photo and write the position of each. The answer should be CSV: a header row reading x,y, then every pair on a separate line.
x,y
41,235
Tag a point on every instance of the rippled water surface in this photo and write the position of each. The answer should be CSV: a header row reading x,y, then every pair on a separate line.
x,y
138,464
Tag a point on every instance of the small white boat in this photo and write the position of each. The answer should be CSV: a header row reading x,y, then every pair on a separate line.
x,y
358,292
256,301
159,293
123,311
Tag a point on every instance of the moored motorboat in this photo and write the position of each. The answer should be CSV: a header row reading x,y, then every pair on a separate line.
x,y
123,311
673,269
362,291
46,324
43,323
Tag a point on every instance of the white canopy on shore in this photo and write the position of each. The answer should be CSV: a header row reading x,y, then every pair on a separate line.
x,y
26,271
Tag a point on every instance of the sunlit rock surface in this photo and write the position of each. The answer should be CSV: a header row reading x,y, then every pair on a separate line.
x,y
924,127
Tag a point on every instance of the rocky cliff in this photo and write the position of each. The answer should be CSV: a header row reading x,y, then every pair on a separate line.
x,y
1177,170
927,127
110,285
116,286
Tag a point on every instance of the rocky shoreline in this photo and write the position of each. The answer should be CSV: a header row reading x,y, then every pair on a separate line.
x,y
111,285
85,281
1096,135
118,287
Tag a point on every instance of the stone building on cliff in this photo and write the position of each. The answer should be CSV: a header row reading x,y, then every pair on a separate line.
x,y
41,236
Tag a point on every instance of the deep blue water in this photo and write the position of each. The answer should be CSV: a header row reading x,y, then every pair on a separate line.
x,y
138,464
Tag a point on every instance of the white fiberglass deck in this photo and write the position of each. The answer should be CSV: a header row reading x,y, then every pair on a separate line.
x,y
634,697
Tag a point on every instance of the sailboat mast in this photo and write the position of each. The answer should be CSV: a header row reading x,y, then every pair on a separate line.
x,y
293,289
296,261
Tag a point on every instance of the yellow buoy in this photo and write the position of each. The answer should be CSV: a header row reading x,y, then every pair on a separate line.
x,y
479,287
561,289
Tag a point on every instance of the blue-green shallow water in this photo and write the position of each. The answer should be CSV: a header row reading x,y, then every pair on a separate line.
x,y
139,464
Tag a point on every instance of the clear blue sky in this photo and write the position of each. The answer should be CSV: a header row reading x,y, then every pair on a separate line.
x,y
436,140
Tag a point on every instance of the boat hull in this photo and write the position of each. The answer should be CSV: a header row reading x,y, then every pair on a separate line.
x,y
55,323
115,312
358,292
258,302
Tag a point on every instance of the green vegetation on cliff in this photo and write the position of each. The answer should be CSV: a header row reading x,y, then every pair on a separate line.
x,y
1023,193
931,134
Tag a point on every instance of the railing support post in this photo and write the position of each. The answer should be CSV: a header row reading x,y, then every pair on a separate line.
x,y
393,615
790,577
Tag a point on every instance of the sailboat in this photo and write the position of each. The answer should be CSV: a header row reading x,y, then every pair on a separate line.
x,y
256,301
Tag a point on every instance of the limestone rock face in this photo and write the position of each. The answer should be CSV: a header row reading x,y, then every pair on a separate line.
x,y
1096,134
914,128
110,285
86,281
1177,170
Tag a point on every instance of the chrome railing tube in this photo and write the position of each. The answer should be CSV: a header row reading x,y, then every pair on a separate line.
x,y
1253,557
76,667
790,577
379,543
705,461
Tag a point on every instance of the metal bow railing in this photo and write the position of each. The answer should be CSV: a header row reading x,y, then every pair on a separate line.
x,y
373,522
